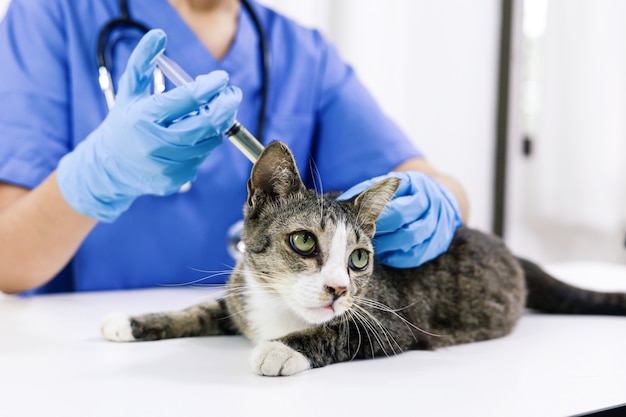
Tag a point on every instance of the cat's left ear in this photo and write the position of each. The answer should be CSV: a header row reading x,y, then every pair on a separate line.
x,y
274,175
370,203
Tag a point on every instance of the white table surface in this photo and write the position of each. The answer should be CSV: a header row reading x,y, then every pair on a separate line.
x,y
54,362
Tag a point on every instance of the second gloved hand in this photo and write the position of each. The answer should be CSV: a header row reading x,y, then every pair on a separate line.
x,y
148,144
418,224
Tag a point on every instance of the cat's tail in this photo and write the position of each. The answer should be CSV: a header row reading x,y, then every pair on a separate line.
x,y
549,295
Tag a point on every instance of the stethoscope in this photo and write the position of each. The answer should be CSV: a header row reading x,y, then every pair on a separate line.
x,y
107,43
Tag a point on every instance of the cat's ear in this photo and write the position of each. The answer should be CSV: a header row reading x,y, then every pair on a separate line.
x,y
274,175
370,203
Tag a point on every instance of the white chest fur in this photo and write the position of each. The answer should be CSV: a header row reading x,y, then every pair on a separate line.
x,y
268,315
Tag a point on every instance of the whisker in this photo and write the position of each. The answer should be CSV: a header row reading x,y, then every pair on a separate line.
x,y
317,179
369,326
384,330
247,306
213,275
356,325
383,307
315,174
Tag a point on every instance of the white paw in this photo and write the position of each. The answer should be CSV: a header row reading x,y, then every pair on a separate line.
x,y
276,358
116,327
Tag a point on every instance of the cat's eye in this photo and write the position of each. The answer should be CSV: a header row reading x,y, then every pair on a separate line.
x,y
303,242
359,259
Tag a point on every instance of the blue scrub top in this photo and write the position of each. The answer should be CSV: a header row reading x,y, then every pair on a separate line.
x,y
51,101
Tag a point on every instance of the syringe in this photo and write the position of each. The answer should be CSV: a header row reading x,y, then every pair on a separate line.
x,y
237,134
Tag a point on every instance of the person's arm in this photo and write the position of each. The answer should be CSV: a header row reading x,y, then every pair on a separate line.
x,y
143,147
39,234
420,164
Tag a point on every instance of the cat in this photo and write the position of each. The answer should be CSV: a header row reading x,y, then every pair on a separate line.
x,y
309,292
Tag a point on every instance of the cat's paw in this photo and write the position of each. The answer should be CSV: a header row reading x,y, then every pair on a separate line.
x,y
277,359
117,328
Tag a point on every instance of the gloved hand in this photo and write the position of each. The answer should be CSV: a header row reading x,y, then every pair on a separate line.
x,y
147,144
418,224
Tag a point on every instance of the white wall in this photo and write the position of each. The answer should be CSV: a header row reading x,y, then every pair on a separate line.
x,y
433,67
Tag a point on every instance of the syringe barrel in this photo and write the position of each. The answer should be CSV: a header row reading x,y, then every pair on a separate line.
x,y
172,70
244,141
237,134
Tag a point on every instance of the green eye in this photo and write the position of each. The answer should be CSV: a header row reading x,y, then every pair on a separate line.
x,y
359,260
302,242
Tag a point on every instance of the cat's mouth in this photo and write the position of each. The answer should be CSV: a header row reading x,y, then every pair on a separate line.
x,y
328,307
325,312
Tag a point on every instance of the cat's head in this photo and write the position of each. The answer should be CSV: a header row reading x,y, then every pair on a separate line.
x,y
311,252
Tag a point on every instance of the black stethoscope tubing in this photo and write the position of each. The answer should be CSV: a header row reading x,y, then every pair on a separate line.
x,y
126,22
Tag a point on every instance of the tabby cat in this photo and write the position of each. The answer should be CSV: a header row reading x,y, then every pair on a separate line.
x,y
308,291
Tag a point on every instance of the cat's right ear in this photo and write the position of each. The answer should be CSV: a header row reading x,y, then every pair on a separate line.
x,y
370,203
274,175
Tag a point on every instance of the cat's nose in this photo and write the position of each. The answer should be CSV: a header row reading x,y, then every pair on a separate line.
x,y
336,292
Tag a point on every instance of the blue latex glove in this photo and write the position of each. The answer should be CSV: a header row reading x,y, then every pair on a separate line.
x,y
418,224
147,144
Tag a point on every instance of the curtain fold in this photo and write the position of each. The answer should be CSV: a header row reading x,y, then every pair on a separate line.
x,y
579,175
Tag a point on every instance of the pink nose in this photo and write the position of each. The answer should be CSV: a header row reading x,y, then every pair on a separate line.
x,y
336,292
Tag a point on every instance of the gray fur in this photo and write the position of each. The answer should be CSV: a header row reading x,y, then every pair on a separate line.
x,y
475,291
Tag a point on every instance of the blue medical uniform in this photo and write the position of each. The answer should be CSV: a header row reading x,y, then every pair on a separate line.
x,y
50,101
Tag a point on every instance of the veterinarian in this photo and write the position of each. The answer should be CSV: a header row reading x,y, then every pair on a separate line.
x,y
91,174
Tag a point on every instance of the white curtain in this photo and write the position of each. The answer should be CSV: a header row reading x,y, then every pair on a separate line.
x,y
3,6
432,65
579,173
